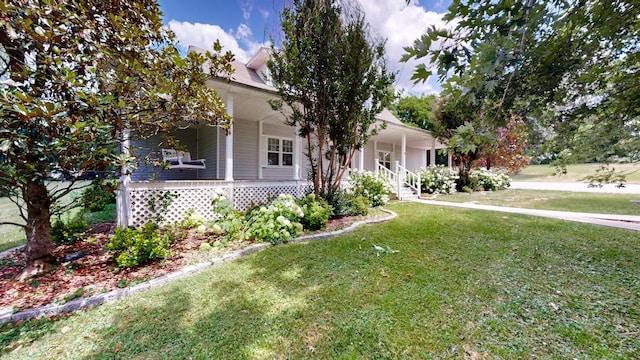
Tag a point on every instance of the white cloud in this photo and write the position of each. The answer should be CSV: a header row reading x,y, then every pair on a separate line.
x,y
244,32
239,42
247,8
401,24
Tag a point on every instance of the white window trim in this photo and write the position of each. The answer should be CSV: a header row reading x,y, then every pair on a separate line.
x,y
280,152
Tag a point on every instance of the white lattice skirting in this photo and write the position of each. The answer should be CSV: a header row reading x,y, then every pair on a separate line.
x,y
140,202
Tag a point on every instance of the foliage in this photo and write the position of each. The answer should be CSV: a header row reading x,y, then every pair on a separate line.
x,y
487,180
375,187
330,73
221,205
357,205
99,194
438,180
138,246
316,212
416,110
191,220
159,204
508,151
606,175
574,88
277,222
80,77
70,231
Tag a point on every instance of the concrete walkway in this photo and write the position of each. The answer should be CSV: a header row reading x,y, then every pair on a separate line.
x,y
629,222
575,186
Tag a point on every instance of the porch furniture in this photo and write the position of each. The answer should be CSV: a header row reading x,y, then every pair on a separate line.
x,y
181,160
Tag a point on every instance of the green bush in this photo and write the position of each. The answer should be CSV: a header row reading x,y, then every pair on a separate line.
x,y
316,212
99,194
68,232
338,199
374,186
138,246
488,180
358,205
275,223
191,220
437,180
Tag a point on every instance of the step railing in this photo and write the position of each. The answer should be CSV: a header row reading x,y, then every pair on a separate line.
x,y
381,169
405,177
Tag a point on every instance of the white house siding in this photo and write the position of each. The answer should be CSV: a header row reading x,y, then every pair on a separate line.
x,y
245,150
415,158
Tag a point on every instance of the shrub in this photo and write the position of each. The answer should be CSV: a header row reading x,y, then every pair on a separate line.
x,y
99,194
221,205
316,212
138,246
487,180
191,220
68,232
357,205
437,180
276,222
339,202
374,186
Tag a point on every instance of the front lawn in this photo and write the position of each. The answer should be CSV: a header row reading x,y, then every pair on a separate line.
x,y
552,200
575,172
433,283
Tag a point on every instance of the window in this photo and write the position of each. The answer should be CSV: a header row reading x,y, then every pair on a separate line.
x,y
279,152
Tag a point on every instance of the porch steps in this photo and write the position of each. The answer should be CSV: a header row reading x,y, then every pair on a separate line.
x,y
406,193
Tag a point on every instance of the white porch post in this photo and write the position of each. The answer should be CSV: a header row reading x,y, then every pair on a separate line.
x,y
228,165
403,151
361,159
449,159
375,156
123,205
260,148
432,154
296,154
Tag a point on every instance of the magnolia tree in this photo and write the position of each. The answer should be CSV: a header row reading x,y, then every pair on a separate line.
x,y
331,75
76,76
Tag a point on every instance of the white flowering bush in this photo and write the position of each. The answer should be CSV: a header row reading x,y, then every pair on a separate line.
x,y
488,180
277,222
221,205
375,187
438,180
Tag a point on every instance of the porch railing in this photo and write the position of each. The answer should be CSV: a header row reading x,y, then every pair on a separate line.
x,y
407,178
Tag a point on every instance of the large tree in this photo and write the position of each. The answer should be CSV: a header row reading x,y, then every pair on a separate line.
x,y
331,75
415,110
569,67
76,76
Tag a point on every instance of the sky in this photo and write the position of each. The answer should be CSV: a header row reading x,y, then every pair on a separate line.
x,y
243,26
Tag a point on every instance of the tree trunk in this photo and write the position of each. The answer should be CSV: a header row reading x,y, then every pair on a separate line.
x,y
38,227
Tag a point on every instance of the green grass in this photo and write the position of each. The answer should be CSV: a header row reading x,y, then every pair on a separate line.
x,y
552,200
12,236
463,283
575,172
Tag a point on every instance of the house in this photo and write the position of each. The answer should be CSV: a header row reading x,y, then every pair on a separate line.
x,y
258,157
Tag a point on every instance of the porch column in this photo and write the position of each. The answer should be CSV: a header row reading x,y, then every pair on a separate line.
x,y
296,154
361,159
403,151
432,154
449,159
228,165
123,205
375,156
261,146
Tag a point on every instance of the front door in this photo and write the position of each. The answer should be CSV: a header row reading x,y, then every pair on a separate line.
x,y
384,158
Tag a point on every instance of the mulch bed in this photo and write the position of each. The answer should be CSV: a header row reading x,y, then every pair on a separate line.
x,y
86,268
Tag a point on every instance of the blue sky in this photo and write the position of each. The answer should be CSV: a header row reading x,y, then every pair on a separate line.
x,y
243,26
